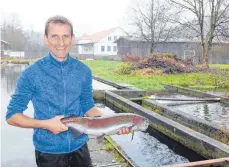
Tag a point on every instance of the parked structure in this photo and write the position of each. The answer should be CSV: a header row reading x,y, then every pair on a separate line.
x,y
185,49
5,47
99,44
17,54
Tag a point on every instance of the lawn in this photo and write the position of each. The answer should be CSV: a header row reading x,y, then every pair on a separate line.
x,y
221,66
205,81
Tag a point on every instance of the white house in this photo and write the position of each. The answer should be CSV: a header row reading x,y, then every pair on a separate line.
x,y
101,43
17,54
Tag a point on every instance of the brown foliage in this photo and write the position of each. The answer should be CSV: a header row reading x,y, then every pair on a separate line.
x,y
147,72
168,63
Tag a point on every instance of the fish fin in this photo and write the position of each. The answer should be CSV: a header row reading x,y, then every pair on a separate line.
x,y
75,133
100,138
130,127
132,136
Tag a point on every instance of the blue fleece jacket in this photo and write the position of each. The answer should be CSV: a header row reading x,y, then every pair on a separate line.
x,y
55,88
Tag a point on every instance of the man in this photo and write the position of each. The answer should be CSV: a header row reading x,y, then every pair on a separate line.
x,y
58,86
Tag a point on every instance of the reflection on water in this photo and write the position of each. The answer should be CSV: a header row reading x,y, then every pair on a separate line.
x,y
146,150
151,148
9,74
16,143
101,86
211,111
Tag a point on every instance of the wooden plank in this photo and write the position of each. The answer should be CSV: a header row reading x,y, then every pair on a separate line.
x,y
204,163
110,165
135,99
177,99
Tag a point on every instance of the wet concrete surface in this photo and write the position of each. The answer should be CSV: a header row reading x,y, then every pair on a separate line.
x,y
99,156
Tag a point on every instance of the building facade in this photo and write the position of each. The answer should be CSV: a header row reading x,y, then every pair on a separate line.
x,y
5,48
99,44
184,49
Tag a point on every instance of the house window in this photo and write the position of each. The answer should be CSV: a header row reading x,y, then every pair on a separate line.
x,y
85,49
115,38
102,48
109,38
108,48
115,48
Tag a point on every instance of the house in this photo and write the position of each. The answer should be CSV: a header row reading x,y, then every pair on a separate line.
x,y
7,52
5,48
100,43
183,48
17,54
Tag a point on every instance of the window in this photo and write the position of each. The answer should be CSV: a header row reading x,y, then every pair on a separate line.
x,y
108,48
109,38
85,49
115,38
102,48
115,48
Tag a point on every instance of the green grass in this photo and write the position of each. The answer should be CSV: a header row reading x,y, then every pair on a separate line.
x,y
207,81
220,66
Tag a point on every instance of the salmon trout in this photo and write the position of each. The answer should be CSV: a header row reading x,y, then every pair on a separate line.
x,y
105,125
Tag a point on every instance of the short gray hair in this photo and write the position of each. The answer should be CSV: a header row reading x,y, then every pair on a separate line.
x,y
58,19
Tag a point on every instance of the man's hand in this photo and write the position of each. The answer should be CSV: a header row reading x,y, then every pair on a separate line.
x,y
55,125
124,131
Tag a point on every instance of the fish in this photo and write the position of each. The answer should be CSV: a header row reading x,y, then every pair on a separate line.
x,y
105,125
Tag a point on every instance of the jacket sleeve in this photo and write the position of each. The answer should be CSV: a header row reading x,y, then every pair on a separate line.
x,y
86,100
21,97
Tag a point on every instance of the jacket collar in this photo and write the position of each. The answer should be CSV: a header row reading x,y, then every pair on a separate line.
x,y
56,62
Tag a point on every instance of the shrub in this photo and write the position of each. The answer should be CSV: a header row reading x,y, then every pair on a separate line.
x,y
132,58
164,55
147,72
125,68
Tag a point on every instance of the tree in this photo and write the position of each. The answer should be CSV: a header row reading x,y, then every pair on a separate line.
x,y
210,20
29,41
12,32
150,20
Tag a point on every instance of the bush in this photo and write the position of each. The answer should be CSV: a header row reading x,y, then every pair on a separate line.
x,y
132,58
164,55
125,68
147,72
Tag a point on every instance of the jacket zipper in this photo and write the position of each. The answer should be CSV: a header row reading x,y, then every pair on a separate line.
x,y
64,83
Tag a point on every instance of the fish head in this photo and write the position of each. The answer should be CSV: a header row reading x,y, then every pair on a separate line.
x,y
140,123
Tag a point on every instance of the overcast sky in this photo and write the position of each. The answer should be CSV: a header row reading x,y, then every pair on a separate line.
x,y
88,16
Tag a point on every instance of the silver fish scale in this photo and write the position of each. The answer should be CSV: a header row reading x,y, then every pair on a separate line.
x,y
118,122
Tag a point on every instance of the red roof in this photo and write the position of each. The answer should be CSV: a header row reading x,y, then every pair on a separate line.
x,y
97,36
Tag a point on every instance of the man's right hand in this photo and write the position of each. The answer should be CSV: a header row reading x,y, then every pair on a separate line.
x,y
55,125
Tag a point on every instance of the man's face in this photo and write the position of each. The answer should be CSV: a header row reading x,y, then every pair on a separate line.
x,y
59,40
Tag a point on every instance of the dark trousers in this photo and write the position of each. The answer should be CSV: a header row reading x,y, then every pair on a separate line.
x,y
78,158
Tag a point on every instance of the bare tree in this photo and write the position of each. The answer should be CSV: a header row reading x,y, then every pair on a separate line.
x,y
12,32
210,20
29,41
151,21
